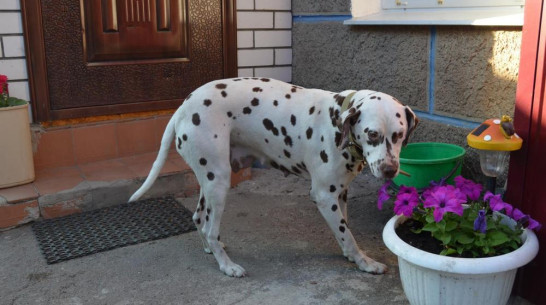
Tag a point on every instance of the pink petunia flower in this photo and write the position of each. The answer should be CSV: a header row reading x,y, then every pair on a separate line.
x,y
445,199
468,187
497,204
405,203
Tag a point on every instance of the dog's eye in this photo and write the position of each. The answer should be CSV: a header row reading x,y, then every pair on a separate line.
x,y
372,134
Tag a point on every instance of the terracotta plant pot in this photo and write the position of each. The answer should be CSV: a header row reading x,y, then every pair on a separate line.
x,y
431,279
16,159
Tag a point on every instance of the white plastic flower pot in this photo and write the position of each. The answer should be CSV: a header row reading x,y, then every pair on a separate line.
x,y
431,279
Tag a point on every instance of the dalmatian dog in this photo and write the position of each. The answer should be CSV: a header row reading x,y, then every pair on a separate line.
x,y
328,137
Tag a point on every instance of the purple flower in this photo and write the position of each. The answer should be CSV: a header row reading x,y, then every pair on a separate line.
x,y
480,224
468,187
496,203
523,219
534,225
383,194
405,203
445,199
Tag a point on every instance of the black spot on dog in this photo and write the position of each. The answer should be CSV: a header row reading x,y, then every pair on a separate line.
x,y
265,80
286,153
221,86
207,218
332,188
293,120
215,136
266,141
198,221
229,114
268,124
203,161
373,97
366,130
196,119
288,141
275,103
296,170
237,79
338,138
207,102
394,137
224,94
275,131
257,89
349,167
179,143
283,131
322,138
185,137
342,229
255,102
309,132
287,96
311,110
345,155
274,164
334,207
208,211
247,110
324,156
398,115
210,176
202,203
402,124
293,90
339,99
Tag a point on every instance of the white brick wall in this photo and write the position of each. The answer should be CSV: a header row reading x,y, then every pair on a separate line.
x,y
12,49
264,38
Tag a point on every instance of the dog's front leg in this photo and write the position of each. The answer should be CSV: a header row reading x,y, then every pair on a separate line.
x,y
328,205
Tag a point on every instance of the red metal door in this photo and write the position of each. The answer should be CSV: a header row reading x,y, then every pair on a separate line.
x,y
526,179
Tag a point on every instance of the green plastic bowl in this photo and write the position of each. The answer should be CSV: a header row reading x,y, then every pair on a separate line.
x,y
428,161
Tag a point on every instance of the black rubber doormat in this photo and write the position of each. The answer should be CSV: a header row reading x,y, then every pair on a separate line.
x,y
77,235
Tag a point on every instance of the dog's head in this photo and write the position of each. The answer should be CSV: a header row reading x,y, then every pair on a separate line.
x,y
381,125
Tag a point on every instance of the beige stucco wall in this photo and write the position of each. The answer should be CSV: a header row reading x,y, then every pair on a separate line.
x,y
454,76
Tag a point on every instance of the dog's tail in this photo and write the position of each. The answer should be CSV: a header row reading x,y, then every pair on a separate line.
x,y
166,141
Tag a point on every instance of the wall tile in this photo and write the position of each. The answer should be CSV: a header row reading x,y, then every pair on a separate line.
x,y
259,57
254,20
273,39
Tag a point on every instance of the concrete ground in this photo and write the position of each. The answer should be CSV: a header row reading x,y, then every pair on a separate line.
x,y
270,227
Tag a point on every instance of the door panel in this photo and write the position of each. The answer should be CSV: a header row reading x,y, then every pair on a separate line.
x,y
134,29
98,57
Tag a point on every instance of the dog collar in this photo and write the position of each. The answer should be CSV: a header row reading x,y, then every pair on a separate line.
x,y
352,146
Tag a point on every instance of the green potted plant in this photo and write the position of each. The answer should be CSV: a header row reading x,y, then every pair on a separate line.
x,y
16,162
455,245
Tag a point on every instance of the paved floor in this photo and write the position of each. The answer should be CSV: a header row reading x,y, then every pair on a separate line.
x,y
270,227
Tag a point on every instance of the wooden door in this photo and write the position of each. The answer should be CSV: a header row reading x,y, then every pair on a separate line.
x,y
100,57
526,178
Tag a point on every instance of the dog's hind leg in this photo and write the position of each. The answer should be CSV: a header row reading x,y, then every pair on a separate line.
x,y
215,190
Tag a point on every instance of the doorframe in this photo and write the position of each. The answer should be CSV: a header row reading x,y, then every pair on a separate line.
x,y
525,186
37,69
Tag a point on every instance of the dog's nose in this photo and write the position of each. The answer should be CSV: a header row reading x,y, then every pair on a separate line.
x,y
388,170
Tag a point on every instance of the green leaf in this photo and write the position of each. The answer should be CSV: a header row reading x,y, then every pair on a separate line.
x,y
497,238
448,251
13,101
463,238
445,238
430,227
450,226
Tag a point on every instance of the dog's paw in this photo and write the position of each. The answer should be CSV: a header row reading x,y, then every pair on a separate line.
x,y
373,267
233,270
367,264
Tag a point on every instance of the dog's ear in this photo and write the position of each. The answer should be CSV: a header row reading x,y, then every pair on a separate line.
x,y
412,121
349,121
